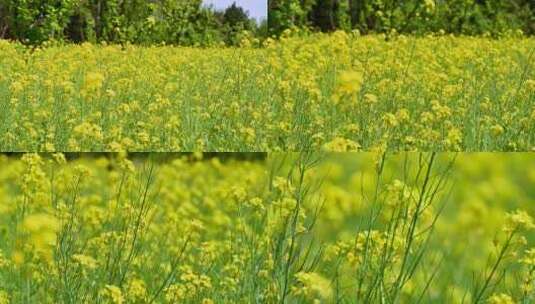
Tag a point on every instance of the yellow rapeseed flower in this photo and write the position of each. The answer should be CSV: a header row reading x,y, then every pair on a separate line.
x,y
313,286
42,229
350,82
500,299
340,144
112,294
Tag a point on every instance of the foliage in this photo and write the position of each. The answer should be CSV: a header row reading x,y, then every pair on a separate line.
x,y
412,16
335,92
287,14
235,15
296,228
35,20
183,22
234,21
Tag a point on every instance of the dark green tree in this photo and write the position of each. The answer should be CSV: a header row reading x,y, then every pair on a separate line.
x,y
408,16
115,21
235,20
235,16
283,14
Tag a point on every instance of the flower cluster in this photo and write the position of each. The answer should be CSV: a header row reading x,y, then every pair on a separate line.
x,y
340,91
191,229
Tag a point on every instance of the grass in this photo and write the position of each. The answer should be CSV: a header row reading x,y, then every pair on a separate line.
x,y
333,92
291,228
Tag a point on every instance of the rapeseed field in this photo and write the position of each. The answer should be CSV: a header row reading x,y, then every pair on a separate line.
x,y
279,228
332,92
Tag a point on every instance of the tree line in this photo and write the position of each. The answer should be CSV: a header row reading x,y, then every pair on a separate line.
x,y
181,22
405,16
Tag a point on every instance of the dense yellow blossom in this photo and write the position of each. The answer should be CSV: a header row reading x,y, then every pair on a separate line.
x,y
136,291
341,145
501,299
4,297
112,294
41,230
313,286
291,228
437,92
